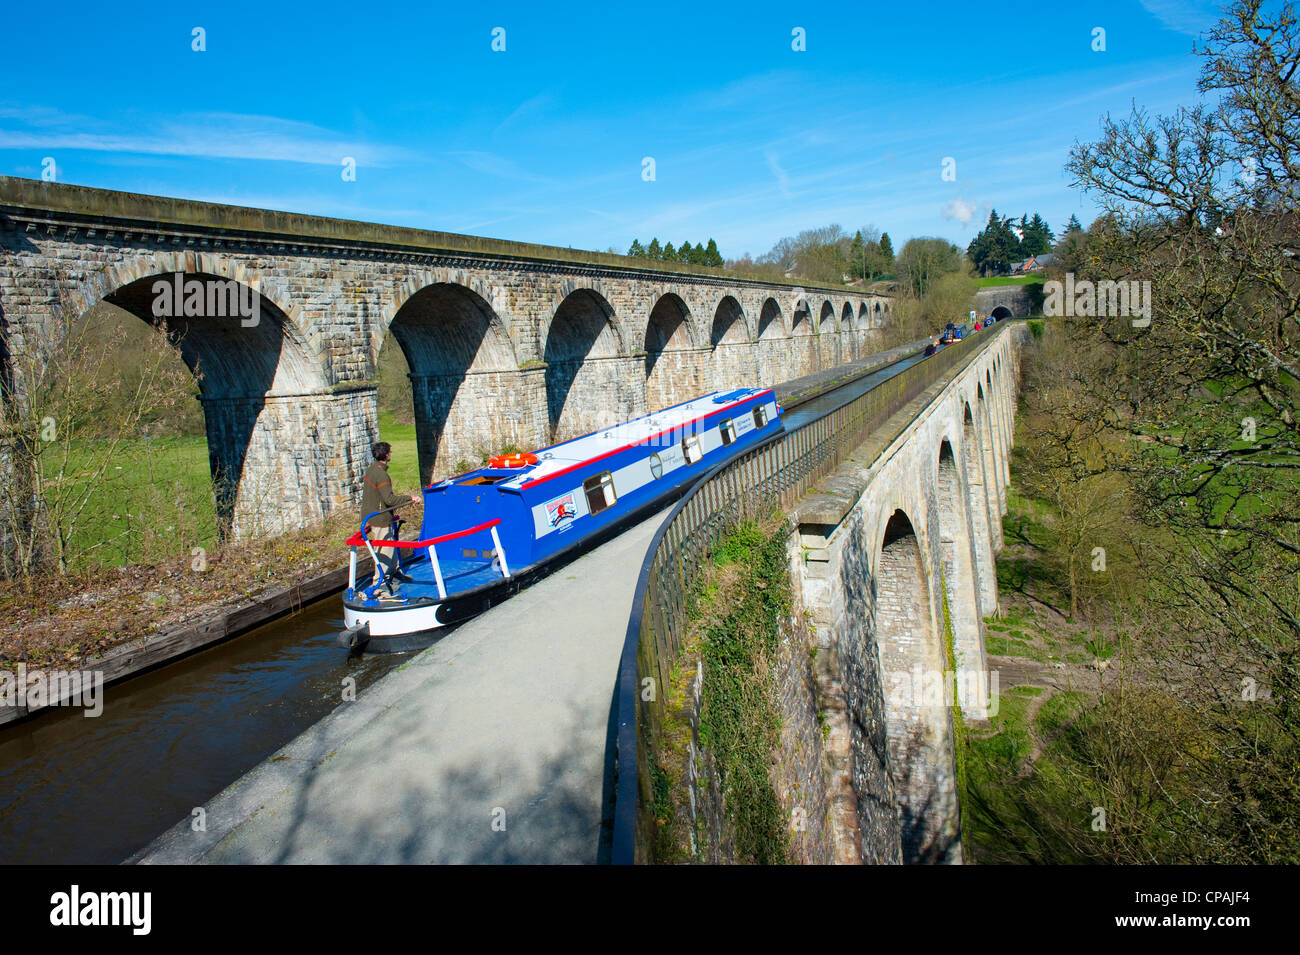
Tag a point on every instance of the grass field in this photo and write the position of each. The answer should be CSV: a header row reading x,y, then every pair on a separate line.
x,y
1011,280
404,468
155,498
151,499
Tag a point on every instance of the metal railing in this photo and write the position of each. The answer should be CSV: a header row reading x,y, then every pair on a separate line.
x,y
779,471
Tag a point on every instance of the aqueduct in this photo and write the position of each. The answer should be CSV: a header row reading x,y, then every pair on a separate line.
x,y
902,580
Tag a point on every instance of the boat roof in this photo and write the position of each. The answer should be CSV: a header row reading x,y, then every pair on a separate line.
x,y
571,454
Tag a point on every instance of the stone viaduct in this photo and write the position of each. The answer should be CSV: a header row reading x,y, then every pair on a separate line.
x,y
282,316
899,569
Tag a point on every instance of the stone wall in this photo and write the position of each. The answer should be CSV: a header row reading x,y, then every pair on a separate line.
x,y
799,775
1014,298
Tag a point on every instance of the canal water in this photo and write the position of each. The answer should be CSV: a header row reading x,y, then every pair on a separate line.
x,y
814,409
81,790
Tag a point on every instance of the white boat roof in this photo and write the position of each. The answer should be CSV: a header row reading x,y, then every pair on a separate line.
x,y
565,455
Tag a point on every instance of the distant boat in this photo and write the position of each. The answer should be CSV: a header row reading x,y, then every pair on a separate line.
x,y
490,531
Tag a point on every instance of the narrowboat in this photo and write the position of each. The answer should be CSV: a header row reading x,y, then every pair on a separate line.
x,y
491,531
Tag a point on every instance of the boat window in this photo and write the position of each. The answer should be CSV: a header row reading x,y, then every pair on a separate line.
x,y
760,416
691,448
728,431
599,491
656,466
468,553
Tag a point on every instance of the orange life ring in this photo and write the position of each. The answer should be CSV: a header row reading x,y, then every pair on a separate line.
x,y
512,460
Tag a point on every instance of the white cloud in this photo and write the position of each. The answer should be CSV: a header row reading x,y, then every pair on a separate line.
x,y
528,109
210,135
959,210
492,165
782,177
1184,16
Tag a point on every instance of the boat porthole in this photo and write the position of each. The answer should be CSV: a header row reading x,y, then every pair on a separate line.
x,y
656,466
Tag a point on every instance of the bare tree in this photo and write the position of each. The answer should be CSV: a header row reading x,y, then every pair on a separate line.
x,y
74,433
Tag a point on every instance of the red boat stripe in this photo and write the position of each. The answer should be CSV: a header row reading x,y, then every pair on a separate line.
x,y
645,440
356,540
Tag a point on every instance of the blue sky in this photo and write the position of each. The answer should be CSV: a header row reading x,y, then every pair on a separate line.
x,y
545,141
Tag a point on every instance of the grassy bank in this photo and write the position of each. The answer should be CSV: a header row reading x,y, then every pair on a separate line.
x,y
994,280
1124,735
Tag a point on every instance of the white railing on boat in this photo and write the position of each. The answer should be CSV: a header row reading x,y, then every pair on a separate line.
x,y
360,538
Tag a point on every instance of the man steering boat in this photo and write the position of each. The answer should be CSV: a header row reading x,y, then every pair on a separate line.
x,y
377,495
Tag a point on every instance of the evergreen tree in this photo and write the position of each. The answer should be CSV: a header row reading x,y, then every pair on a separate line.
x,y
1073,225
670,254
1037,236
996,246
654,251
712,256
857,260
637,251
887,251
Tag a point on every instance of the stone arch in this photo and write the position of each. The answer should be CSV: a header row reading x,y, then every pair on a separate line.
x,y
803,356
669,337
734,356
1001,399
771,323
977,499
992,467
413,283
922,766
826,317
829,353
801,322
1001,312
730,323
1006,408
582,343
848,334
573,291
774,360
868,337
459,359
98,286
259,384
957,554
